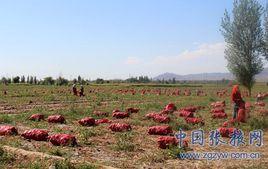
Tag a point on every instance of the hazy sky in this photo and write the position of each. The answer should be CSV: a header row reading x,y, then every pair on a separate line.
x,y
111,38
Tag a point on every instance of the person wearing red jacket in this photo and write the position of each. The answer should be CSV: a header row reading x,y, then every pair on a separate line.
x,y
236,100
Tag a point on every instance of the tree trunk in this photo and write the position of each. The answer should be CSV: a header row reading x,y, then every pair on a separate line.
x,y
249,91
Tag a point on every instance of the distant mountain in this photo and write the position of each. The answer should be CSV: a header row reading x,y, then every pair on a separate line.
x,y
263,76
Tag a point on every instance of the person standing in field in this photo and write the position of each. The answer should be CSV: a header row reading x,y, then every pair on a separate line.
x,y
81,93
74,90
237,100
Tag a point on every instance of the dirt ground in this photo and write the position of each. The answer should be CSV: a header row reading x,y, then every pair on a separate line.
x,y
99,146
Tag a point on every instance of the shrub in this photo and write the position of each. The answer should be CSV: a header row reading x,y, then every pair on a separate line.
x,y
5,119
56,152
175,151
258,123
124,142
66,164
5,158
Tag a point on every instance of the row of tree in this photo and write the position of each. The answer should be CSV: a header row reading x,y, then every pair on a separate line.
x,y
45,81
140,79
17,79
62,81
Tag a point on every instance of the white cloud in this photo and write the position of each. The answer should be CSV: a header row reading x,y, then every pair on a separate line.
x,y
132,61
215,50
205,58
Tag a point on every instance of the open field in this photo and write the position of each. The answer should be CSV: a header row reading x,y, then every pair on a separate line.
x,y
98,147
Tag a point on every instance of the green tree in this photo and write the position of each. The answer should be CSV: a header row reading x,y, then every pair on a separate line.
x,y
61,81
31,81
16,79
48,81
99,81
28,79
35,80
74,81
8,80
22,79
4,80
244,38
79,79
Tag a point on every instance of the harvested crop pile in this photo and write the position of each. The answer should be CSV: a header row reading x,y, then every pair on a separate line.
x,y
260,103
226,132
189,109
219,115
116,110
241,116
100,121
143,92
100,113
170,108
167,141
132,110
161,118
176,93
217,110
248,105
119,127
36,134
187,93
37,117
151,115
87,121
62,140
194,120
229,123
263,112
120,115
56,119
8,131
184,113
218,104
160,130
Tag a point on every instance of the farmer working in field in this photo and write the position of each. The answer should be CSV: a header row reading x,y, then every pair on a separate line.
x,y
81,93
74,89
237,100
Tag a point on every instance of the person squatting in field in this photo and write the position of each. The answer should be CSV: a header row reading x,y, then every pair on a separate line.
x,y
236,100
78,93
